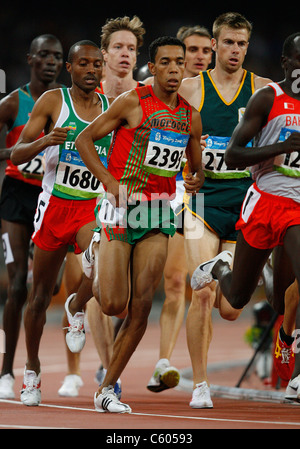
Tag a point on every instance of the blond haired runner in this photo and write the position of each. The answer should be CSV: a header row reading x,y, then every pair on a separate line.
x,y
221,95
121,39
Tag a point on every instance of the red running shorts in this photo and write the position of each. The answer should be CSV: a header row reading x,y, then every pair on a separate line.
x,y
264,218
57,221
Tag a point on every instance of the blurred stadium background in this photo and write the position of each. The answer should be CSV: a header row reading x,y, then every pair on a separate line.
x,y
73,21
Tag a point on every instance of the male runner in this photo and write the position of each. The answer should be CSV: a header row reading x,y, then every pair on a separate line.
x,y
20,190
197,57
221,95
65,212
121,39
270,214
153,127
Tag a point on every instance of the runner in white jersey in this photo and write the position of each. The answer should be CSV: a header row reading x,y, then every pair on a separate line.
x,y
65,212
270,214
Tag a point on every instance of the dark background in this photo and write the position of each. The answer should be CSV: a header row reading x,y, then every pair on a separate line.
x,y
73,21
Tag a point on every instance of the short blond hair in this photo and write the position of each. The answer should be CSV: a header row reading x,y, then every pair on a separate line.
x,y
233,20
135,25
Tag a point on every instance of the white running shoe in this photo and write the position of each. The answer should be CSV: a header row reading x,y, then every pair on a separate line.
x,y
201,396
70,386
7,387
292,391
88,258
99,378
31,391
107,401
164,377
202,275
75,336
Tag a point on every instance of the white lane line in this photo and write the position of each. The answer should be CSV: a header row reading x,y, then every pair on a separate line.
x,y
199,418
11,426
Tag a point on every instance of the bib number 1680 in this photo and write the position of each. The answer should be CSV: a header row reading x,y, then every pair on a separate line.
x,y
78,178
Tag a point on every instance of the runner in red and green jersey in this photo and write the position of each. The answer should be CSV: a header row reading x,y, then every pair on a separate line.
x,y
147,158
154,126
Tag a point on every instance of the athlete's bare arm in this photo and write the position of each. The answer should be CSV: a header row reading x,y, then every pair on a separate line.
x,y
8,112
259,82
44,115
237,155
191,90
195,179
126,111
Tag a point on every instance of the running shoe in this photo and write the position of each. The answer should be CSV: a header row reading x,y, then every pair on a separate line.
x,y
107,401
292,391
283,359
70,386
88,258
201,396
99,378
203,276
31,391
164,377
75,336
7,387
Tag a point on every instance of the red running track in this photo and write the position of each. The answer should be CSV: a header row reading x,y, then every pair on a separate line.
x,y
158,412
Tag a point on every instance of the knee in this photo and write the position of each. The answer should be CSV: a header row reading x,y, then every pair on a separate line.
x,y
175,284
38,303
238,301
18,289
111,307
204,299
230,315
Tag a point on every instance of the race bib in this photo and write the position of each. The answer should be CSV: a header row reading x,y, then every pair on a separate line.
x,y
213,160
165,152
73,178
34,168
289,163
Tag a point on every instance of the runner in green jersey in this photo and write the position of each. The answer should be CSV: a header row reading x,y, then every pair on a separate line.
x,y
67,218
220,95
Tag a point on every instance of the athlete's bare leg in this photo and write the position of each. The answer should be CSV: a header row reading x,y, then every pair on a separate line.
x,y
39,300
199,321
17,236
72,278
291,305
102,331
148,260
173,309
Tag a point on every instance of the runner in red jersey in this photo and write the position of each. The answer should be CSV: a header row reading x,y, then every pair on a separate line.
x,y
155,125
270,213
140,157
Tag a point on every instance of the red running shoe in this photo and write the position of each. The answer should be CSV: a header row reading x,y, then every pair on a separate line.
x,y
284,359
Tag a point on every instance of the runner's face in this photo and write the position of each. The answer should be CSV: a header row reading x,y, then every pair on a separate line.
x,y
121,53
47,60
86,67
198,54
292,64
231,48
169,67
